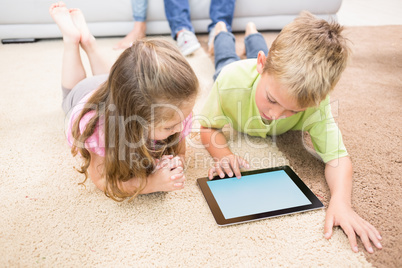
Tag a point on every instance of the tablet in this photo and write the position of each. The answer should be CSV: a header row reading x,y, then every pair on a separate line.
x,y
258,194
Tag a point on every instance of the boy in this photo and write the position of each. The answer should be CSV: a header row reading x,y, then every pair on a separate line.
x,y
286,90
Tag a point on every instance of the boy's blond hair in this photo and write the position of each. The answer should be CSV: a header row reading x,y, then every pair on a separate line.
x,y
308,58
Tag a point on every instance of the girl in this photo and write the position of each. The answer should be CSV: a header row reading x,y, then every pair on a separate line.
x,y
126,122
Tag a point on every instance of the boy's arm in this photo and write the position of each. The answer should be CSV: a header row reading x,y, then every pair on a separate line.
x,y
225,161
338,173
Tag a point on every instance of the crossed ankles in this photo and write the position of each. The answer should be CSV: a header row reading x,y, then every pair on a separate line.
x,y
72,25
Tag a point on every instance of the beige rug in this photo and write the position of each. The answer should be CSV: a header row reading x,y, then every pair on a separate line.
x,y
48,220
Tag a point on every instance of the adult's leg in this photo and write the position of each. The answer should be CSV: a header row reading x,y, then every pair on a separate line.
x,y
225,49
221,10
72,69
254,41
139,8
178,15
99,64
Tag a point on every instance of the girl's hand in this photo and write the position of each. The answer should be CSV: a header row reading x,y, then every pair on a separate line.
x,y
173,162
228,164
168,175
163,158
340,214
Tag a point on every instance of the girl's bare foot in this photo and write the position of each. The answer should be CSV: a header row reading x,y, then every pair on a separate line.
x,y
138,32
219,27
99,65
87,39
61,16
250,29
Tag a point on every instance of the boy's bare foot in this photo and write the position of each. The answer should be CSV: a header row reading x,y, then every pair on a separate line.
x,y
138,32
219,27
87,39
250,29
61,16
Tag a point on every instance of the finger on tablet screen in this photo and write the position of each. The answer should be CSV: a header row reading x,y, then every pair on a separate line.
x,y
228,171
237,172
236,167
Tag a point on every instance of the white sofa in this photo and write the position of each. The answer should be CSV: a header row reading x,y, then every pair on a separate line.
x,y
30,19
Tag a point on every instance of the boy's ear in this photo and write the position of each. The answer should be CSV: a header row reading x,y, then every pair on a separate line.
x,y
260,61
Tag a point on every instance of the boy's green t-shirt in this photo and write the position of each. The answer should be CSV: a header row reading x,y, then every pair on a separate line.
x,y
232,101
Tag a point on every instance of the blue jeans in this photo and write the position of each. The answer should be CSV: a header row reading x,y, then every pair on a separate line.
x,y
139,8
225,49
178,14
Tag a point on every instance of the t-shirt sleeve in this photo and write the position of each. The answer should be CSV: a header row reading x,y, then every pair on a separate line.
x,y
325,134
212,115
96,142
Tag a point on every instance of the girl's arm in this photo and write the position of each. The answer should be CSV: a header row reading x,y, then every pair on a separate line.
x,y
95,170
163,179
338,173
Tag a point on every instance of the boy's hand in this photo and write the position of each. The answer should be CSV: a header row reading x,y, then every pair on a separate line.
x,y
228,164
339,214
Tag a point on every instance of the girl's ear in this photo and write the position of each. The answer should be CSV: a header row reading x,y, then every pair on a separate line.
x,y
260,61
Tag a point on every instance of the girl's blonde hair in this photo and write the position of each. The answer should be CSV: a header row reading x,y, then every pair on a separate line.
x,y
151,72
308,57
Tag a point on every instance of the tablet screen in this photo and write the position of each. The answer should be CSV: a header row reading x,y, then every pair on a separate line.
x,y
256,193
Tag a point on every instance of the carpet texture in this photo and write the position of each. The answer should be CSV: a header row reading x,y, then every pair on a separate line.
x,y
48,220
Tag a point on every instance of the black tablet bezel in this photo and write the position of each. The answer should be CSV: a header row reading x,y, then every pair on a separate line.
x,y
221,220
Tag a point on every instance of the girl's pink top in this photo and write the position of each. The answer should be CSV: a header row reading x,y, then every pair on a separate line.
x,y
96,142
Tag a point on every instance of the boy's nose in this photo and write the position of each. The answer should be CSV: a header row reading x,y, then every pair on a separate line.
x,y
280,113
277,113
